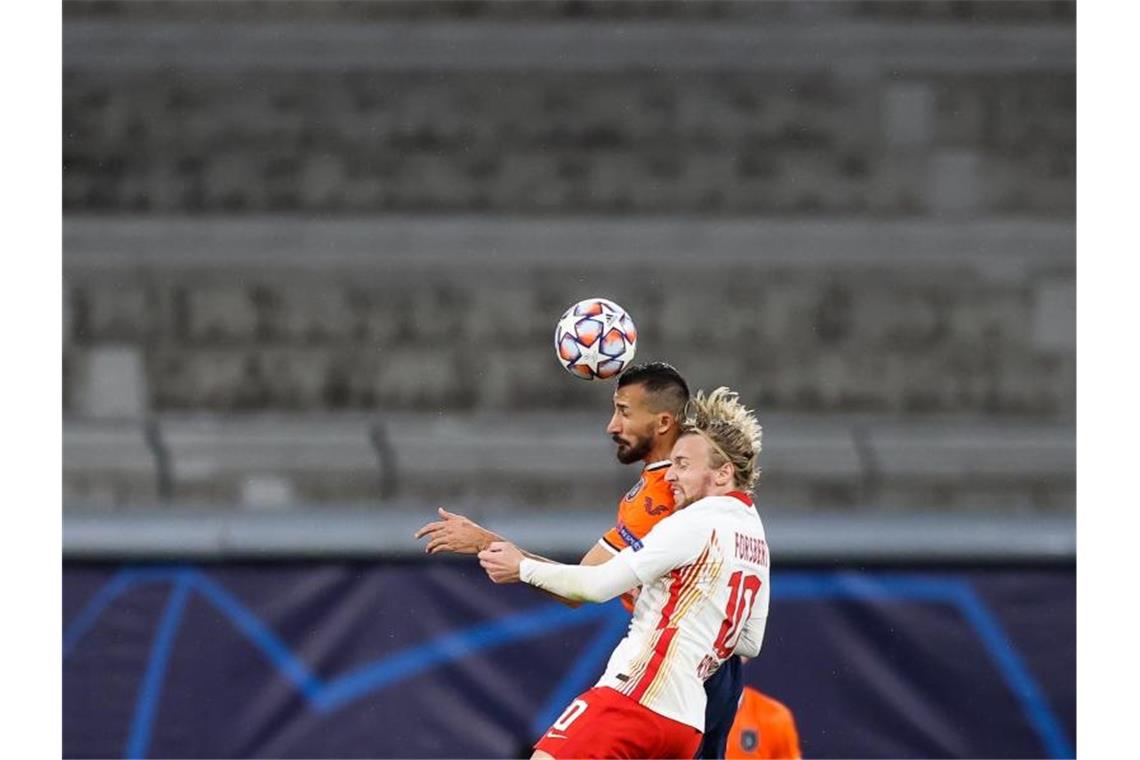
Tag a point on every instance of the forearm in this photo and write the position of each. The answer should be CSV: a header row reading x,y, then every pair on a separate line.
x,y
595,556
573,603
535,557
751,638
456,533
583,583
486,537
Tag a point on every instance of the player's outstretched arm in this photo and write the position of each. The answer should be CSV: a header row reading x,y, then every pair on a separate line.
x,y
456,533
596,556
504,563
462,535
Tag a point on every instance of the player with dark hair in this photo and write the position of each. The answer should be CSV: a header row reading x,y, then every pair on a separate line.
x,y
648,405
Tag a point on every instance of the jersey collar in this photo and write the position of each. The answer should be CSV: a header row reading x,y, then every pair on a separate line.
x,y
742,496
657,465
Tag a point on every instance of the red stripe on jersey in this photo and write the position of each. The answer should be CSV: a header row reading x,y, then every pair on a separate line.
x,y
659,653
683,580
678,576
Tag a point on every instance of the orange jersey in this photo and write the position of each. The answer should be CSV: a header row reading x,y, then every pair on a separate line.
x,y
763,728
649,502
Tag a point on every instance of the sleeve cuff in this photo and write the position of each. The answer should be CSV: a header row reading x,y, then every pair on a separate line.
x,y
526,569
610,547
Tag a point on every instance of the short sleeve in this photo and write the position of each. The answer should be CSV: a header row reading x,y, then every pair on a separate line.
x,y
671,543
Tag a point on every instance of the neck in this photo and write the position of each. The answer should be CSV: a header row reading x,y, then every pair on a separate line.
x,y
661,450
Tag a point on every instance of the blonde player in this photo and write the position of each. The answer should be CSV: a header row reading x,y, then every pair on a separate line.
x,y
648,410
704,573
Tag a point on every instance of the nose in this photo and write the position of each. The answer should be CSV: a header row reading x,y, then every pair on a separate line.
x,y
670,476
615,426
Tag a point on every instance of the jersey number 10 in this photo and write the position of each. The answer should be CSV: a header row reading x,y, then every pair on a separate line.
x,y
742,595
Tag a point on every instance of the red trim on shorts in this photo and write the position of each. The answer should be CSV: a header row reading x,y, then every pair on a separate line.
x,y
613,725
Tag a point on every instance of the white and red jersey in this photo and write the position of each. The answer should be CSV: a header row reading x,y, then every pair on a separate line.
x,y
705,594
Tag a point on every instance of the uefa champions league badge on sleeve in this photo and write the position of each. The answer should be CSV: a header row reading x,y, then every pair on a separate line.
x,y
627,535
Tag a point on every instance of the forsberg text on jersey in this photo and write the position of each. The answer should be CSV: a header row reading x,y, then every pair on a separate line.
x,y
752,549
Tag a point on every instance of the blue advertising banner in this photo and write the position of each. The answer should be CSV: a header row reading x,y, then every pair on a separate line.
x,y
430,659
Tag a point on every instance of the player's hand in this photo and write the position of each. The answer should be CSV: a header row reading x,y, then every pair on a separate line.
x,y
501,561
454,533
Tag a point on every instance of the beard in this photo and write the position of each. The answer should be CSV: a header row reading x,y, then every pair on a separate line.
x,y
630,453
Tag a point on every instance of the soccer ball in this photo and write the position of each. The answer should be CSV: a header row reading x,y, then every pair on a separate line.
x,y
595,339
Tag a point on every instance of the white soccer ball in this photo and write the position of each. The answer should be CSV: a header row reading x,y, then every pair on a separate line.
x,y
595,339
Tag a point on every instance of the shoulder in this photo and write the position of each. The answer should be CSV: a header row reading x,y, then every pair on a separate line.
x,y
773,707
687,526
732,505
711,505
654,495
751,708
749,698
648,502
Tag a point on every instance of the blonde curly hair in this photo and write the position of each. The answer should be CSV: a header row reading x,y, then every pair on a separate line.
x,y
731,428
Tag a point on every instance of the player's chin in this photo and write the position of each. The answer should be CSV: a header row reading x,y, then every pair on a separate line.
x,y
626,455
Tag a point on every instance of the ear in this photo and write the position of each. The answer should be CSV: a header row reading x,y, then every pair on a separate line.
x,y
724,474
665,420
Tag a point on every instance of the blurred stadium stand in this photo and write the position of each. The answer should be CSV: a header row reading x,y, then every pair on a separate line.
x,y
869,342
312,252
818,115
